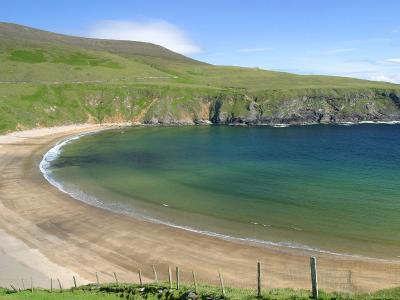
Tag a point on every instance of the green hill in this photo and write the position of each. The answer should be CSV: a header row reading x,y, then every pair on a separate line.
x,y
49,79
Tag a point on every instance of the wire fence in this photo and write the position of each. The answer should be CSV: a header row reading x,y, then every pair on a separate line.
x,y
352,279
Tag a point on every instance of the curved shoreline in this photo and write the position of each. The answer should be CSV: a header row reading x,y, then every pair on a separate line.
x,y
55,151
86,239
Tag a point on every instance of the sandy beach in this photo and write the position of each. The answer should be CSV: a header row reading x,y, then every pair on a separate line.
x,y
45,234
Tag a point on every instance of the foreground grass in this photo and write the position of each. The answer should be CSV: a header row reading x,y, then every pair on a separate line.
x,y
186,292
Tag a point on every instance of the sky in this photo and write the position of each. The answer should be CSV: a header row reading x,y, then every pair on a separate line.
x,y
352,38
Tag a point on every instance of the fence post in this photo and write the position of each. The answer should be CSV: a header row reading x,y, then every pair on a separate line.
x,y
258,280
155,273
59,284
140,278
349,280
74,281
116,278
31,285
195,282
13,287
221,281
51,285
169,277
23,284
97,280
177,278
314,277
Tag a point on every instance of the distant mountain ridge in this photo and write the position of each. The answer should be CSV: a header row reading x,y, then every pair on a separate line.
x,y
49,79
23,34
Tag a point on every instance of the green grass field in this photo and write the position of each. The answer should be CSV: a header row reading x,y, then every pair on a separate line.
x,y
125,291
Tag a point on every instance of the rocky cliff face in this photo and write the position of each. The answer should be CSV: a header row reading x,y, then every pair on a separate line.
x,y
309,108
52,105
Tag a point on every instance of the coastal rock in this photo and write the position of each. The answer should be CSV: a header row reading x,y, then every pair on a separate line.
x,y
202,122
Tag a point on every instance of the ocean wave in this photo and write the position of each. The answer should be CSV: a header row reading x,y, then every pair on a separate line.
x,y
369,122
284,244
284,125
45,168
280,125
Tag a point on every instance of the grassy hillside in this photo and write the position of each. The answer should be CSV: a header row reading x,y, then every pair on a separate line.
x,y
125,291
50,79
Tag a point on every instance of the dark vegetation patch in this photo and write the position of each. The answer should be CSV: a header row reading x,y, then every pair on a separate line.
x,y
28,56
84,59
74,59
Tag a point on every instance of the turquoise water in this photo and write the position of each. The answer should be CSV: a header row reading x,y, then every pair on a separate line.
x,y
333,188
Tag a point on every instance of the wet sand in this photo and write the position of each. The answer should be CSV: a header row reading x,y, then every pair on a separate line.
x,y
74,237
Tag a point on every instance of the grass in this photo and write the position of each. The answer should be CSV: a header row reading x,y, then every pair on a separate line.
x,y
27,56
161,291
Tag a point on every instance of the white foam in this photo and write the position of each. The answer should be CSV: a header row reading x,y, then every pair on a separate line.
x,y
369,122
284,125
284,244
280,125
297,228
380,122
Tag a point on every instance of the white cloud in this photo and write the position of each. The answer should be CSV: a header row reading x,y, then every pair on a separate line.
x,y
253,49
363,69
380,74
157,32
391,79
393,60
342,50
369,41
333,51
395,31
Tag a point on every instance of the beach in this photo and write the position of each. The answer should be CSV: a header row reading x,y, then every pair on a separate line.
x,y
45,234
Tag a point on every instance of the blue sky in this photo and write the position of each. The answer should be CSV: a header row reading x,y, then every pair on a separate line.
x,y
351,38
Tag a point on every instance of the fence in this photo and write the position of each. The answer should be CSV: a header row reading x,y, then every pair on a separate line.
x,y
310,276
